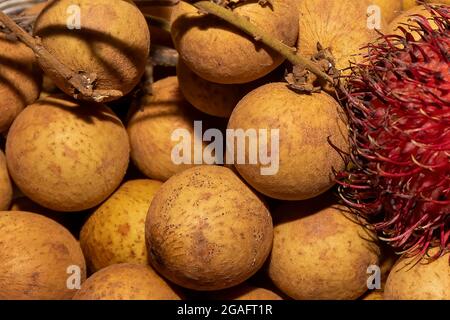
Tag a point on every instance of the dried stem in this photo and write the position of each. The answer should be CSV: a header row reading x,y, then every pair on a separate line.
x,y
246,26
83,84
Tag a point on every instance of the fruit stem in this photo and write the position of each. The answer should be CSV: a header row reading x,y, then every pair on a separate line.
x,y
249,28
83,84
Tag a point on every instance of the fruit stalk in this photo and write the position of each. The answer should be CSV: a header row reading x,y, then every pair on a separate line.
x,y
83,84
246,26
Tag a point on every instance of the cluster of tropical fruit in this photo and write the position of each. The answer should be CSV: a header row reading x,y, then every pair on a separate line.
x,y
94,205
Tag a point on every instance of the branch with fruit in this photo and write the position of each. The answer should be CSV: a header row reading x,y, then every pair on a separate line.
x,y
83,85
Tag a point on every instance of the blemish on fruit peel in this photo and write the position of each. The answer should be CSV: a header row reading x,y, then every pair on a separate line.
x,y
237,141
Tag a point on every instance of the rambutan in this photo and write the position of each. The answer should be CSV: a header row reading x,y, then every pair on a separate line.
x,y
398,107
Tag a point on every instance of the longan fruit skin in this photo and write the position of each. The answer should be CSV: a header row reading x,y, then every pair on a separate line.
x,y
259,294
126,281
35,254
338,25
163,12
424,280
206,230
115,232
66,155
389,8
211,98
305,123
72,222
319,253
19,80
6,191
405,18
35,9
220,53
150,127
246,292
113,43
408,4
373,295
159,36
216,99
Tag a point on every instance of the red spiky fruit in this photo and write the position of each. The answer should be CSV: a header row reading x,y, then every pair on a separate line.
x,y
398,106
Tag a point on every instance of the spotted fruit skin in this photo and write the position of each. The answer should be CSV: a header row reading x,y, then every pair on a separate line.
x,y
111,44
6,191
126,281
151,125
425,280
307,123
115,232
309,238
222,54
206,230
66,155
20,80
37,256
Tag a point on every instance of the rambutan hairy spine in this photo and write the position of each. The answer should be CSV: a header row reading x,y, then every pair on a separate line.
x,y
397,103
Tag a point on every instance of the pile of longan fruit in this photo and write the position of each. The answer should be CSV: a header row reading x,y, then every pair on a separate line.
x,y
94,207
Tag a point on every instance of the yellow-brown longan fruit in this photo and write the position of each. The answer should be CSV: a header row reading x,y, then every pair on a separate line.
x,y
419,280
37,258
220,53
6,191
307,123
34,10
215,99
389,8
408,4
245,292
407,21
151,125
115,232
108,40
126,282
206,230
66,155
159,36
373,295
320,253
19,80
72,222
341,26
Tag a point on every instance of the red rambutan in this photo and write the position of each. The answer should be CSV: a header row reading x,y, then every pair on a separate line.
x,y
398,108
